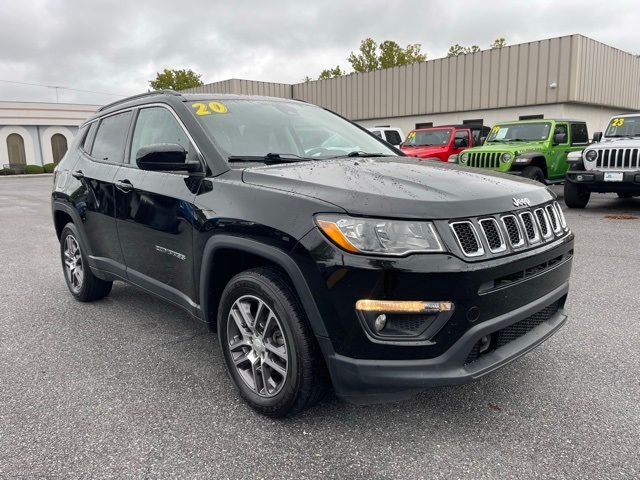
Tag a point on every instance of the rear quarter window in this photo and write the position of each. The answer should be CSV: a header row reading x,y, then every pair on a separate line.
x,y
111,136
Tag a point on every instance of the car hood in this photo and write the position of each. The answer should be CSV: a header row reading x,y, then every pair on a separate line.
x,y
425,149
510,147
616,143
399,187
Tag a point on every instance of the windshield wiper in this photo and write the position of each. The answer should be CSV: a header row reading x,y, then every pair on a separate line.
x,y
359,153
270,158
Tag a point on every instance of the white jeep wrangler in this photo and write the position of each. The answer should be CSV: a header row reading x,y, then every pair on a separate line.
x,y
610,164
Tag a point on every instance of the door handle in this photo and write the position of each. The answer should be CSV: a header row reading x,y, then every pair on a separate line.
x,y
77,174
124,186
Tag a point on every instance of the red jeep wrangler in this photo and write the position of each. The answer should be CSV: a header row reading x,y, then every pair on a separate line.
x,y
444,141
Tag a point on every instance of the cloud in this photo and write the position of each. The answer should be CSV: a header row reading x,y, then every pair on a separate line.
x,y
116,47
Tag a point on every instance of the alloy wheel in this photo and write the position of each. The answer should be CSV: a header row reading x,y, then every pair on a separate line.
x,y
257,345
73,267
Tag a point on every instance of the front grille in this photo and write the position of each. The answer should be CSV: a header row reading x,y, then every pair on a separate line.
x,y
467,238
513,332
618,159
484,159
524,228
493,235
529,227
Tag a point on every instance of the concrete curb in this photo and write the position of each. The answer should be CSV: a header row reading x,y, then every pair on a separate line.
x,y
29,175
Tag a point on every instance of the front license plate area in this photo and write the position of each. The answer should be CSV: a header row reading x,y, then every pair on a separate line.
x,y
613,176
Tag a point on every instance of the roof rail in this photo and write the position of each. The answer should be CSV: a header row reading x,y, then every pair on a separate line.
x,y
141,95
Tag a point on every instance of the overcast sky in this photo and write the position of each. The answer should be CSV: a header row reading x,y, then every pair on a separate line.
x,y
117,47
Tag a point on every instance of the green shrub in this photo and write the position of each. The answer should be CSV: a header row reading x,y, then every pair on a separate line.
x,y
7,171
33,169
48,167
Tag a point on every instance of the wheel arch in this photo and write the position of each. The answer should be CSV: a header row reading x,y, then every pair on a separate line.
x,y
63,214
533,159
215,272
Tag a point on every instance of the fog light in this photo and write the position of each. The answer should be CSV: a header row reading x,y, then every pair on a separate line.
x,y
392,306
381,321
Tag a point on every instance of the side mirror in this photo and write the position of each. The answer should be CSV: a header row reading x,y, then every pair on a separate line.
x,y
559,138
597,136
459,143
165,157
481,141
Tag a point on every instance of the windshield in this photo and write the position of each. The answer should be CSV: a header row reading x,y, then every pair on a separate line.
x,y
624,127
520,132
423,138
255,128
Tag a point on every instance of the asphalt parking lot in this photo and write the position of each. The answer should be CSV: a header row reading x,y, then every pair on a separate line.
x,y
130,386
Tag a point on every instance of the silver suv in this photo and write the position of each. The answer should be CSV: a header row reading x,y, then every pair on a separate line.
x,y
610,164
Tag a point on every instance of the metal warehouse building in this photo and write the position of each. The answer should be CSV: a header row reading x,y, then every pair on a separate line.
x,y
566,77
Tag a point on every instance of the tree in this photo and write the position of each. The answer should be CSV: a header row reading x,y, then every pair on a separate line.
x,y
457,49
367,59
175,80
331,72
393,55
498,43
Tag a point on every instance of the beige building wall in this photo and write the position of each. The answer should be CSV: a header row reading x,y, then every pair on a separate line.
x,y
595,116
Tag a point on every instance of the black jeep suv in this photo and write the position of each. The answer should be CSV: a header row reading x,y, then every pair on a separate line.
x,y
319,253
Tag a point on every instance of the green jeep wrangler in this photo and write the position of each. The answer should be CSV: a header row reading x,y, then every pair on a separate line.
x,y
535,149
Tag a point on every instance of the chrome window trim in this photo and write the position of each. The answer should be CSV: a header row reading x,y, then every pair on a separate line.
x,y
480,250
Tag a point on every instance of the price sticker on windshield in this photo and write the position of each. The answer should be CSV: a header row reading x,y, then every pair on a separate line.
x,y
617,122
411,134
209,108
495,129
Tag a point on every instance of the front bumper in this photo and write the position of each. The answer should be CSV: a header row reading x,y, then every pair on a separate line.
x,y
488,296
594,181
372,381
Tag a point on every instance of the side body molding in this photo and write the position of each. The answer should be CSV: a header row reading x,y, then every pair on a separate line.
x,y
272,254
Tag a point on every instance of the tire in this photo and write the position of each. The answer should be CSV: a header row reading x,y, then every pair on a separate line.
x,y
625,195
279,346
534,173
82,283
575,196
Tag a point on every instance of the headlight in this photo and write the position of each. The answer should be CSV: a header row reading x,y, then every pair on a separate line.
x,y
591,155
506,157
379,236
464,157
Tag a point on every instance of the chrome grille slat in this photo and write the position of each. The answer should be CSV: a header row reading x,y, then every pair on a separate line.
x,y
530,227
467,238
544,225
514,231
553,217
493,235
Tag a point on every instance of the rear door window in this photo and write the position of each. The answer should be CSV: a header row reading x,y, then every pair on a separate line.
x,y
111,137
579,134
393,137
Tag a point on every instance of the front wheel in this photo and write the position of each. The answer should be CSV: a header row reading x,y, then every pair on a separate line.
x,y
534,173
269,349
575,196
